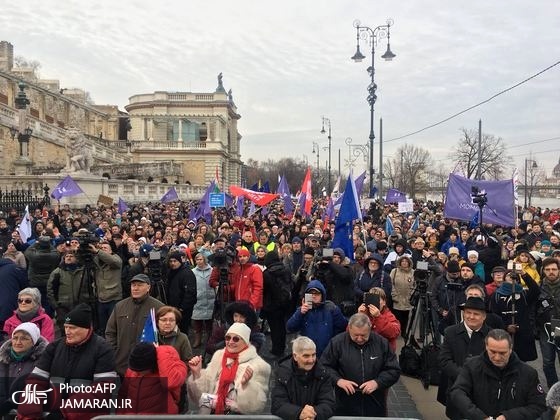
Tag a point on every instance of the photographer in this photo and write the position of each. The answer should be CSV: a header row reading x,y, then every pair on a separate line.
x,y
447,295
108,284
383,321
337,279
514,305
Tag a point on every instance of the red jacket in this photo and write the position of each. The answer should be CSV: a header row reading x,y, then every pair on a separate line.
x,y
42,320
157,392
245,283
386,325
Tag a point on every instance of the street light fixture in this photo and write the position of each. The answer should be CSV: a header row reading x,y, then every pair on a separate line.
x,y
374,35
354,152
316,150
23,133
328,121
534,165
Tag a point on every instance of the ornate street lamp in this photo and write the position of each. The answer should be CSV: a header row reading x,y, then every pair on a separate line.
x,y
23,133
373,36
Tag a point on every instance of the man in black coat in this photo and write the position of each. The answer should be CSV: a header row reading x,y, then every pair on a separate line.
x,y
303,387
460,342
497,384
181,289
363,367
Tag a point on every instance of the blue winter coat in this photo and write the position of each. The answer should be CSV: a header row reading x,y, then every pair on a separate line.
x,y
320,323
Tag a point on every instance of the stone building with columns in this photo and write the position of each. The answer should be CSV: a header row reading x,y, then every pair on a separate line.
x,y
175,137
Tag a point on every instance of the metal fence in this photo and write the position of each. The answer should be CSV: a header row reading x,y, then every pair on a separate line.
x,y
19,198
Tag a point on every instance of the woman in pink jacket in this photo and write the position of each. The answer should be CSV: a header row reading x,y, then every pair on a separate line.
x,y
30,310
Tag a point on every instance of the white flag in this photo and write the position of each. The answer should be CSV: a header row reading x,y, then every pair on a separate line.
x,y
24,228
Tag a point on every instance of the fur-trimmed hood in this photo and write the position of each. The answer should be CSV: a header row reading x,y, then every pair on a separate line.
x,y
35,353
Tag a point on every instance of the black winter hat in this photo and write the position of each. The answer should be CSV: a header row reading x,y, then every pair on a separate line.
x,y
175,256
271,258
80,316
309,251
143,357
453,267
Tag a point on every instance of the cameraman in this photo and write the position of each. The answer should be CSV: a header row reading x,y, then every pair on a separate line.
x,y
447,295
108,284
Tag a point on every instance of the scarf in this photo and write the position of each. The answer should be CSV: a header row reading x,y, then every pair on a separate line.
x,y
19,357
28,315
506,289
227,376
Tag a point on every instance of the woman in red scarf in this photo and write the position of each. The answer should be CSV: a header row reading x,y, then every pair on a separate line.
x,y
236,379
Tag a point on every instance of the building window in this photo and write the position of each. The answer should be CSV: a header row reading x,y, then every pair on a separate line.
x,y
189,131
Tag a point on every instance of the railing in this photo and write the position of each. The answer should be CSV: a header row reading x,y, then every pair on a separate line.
x,y
20,198
155,145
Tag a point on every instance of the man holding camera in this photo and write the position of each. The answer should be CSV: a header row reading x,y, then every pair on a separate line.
x,y
108,284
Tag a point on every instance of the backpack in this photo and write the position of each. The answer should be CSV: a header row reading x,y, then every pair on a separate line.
x,y
430,369
410,361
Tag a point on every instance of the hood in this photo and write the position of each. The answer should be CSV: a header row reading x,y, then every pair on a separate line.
x,y
375,257
242,307
34,355
401,242
316,284
404,256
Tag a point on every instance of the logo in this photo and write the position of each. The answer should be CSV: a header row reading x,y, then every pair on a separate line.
x,y
30,395
373,357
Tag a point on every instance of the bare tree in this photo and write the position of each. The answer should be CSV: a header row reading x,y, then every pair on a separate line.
x,y
438,178
408,169
22,62
535,175
494,159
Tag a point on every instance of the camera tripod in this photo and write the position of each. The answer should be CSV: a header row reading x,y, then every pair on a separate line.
x,y
422,321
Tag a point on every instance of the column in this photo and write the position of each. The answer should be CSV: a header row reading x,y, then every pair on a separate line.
x,y
180,134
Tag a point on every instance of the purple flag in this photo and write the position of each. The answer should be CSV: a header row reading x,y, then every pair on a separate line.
x,y
284,191
301,203
170,196
239,208
66,188
204,209
395,196
329,213
499,209
252,209
360,183
122,207
192,212
264,210
229,200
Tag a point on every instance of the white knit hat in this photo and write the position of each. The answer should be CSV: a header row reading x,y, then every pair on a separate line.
x,y
31,329
242,330
472,252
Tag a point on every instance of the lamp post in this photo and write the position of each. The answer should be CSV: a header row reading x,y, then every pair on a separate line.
x,y
328,121
316,150
354,152
375,34
534,165
23,133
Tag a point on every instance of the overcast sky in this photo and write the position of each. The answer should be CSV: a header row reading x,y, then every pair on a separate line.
x,y
288,63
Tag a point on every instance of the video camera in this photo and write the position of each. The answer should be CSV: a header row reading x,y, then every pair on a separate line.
x,y
421,276
224,257
479,197
85,238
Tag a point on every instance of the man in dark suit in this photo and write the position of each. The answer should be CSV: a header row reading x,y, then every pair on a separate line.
x,y
460,342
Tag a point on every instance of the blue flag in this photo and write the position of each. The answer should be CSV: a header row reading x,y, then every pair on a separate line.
x,y
416,224
349,211
284,191
149,332
122,207
66,188
474,221
389,229
265,188
360,183
170,196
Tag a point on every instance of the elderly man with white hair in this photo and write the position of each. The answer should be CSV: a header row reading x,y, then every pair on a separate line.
x,y
303,388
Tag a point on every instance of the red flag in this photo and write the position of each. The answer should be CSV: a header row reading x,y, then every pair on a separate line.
x,y
306,189
259,198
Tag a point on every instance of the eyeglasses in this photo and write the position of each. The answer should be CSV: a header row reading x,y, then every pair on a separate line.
x,y
21,338
233,338
28,301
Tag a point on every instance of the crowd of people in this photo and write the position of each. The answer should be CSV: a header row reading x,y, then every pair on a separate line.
x,y
77,294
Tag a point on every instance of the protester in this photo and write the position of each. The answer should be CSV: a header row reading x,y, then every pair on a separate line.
x,y
303,388
319,319
363,367
497,384
14,279
403,285
18,356
168,319
181,289
126,323
153,380
205,297
30,310
236,379
382,320
80,356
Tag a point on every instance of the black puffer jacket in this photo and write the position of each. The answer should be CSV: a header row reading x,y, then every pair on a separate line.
x,y
296,388
277,282
181,290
